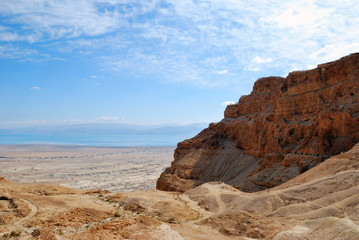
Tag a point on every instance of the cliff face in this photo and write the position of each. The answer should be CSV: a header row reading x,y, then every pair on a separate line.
x,y
283,128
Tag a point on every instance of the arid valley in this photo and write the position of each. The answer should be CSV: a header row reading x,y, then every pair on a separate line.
x,y
321,203
179,120
282,164
80,167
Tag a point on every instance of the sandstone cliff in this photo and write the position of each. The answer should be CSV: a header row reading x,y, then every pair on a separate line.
x,y
283,128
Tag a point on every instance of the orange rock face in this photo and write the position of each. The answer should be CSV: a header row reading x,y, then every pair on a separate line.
x,y
283,128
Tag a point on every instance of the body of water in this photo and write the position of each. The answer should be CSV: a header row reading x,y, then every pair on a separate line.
x,y
93,140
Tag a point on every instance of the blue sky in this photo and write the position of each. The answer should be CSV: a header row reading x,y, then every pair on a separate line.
x,y
153,61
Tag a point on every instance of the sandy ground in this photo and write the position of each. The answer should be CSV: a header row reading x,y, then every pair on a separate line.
x,y
82,167
322,203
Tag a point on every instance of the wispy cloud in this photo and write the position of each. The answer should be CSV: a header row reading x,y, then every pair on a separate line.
x,y
222,71
36,88
26,123
255,69
191,42
260,60
7,51
56,19
71,121
109,119
334,51
296,16
23,54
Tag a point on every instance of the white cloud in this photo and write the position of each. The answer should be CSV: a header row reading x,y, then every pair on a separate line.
x,y
12,124
109,119
6,36
252,69
93,76
260,60
226,103
188,42
28,123
302,13
334,51
171,68
302,16
311,66
63,18
24,54
103,119
7,51
222,72
36,88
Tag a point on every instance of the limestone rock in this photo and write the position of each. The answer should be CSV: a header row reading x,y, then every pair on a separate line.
x,y
283,128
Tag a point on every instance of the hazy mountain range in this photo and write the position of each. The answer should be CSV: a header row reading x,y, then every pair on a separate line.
x,y
104,134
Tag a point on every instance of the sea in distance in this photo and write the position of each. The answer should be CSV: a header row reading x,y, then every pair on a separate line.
x,y
101,135
92,140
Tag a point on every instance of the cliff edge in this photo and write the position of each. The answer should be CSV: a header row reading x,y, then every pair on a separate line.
x,y
283,128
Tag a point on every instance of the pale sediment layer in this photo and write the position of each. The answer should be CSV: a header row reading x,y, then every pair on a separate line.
x,y
82,167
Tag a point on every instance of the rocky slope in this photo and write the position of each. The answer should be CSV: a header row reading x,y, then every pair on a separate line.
x,y
283,128
321,203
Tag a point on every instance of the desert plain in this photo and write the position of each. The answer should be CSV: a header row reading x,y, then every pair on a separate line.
x,y
85,167
322,203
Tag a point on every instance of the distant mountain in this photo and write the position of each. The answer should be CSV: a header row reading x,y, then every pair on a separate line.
x,y
101,134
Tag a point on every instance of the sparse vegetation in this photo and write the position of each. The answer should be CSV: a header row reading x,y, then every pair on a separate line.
x,y
13,234
36,233
5,236
198,215
171,220
117,214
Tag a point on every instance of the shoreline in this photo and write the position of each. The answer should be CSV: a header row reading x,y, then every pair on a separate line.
x,y
68,145
95,139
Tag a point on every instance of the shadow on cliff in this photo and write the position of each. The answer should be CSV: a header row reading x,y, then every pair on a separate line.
x,y
283,128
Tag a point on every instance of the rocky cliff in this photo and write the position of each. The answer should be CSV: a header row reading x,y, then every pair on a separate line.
x,y
283,128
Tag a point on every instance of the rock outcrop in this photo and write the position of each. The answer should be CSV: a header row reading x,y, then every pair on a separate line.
x,y
321,203
283,128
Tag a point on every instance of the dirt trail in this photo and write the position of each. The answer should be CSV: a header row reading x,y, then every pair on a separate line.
x,y
194,205
217,194
194,230
19,225
323,202
34,209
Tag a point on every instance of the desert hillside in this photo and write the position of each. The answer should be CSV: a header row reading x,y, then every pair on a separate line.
x,y
283,128
322,203
294,140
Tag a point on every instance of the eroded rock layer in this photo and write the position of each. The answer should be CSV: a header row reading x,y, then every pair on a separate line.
x,y
283,128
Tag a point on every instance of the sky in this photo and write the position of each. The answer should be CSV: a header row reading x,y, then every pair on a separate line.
x,y
156,61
